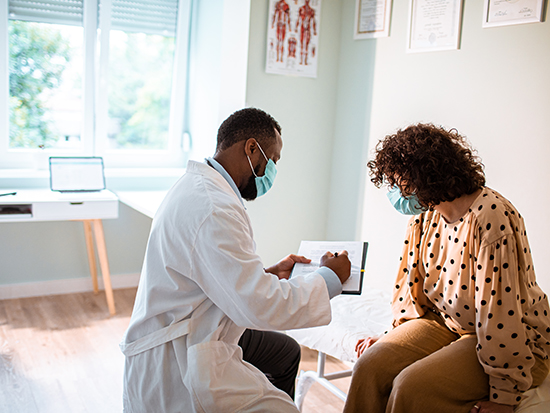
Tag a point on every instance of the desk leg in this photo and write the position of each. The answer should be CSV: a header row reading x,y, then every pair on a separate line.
x,y
91,254
104,263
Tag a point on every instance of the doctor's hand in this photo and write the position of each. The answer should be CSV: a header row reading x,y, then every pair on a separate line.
x,y
339,263
284,267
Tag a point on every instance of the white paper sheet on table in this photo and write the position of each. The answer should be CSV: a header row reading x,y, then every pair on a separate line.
x,y
314,250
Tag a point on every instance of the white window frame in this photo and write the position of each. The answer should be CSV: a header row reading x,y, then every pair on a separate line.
x,y
95,116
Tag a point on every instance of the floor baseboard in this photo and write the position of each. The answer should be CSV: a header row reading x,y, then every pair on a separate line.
x,y
68,286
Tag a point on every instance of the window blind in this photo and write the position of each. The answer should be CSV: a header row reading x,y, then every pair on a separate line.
x,y
47,11
145,16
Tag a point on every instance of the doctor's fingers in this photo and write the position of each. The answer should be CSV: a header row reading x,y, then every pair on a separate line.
x,y
299,258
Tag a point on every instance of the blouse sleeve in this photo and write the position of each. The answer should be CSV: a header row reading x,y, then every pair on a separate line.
x,y
502,348
408,298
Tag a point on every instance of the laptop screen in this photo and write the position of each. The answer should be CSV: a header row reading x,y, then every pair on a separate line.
x,y
76,174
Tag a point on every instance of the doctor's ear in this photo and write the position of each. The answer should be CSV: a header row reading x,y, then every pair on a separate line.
x,y
250,146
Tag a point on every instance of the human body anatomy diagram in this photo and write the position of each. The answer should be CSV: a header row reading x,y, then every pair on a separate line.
x,y
293,36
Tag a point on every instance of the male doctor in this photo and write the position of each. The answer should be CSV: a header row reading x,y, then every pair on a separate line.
x,y
202,285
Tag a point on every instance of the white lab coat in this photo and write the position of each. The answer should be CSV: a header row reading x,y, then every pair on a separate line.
x,y
201,285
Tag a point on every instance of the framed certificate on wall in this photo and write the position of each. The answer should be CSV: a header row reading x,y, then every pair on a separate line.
x,y
372,19
434,25
504,13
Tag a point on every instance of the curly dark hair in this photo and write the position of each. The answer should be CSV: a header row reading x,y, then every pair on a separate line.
x,y
435,164
245,124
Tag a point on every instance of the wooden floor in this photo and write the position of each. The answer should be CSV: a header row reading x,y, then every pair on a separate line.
x,y
60,354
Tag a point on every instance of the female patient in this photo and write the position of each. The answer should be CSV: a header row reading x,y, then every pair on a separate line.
x,y
471,325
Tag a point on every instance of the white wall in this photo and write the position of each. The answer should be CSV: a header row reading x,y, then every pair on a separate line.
x,y
496,91
218,68
296,208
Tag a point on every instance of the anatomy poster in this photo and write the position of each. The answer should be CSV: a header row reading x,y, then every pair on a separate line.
x,y
293,37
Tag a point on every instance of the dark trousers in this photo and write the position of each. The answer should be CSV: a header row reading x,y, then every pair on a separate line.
x,y
274,354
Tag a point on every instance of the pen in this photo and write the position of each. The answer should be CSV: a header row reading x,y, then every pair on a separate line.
x,y
9,193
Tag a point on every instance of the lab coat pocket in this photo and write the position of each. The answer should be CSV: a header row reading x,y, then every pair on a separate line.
x,y
219,380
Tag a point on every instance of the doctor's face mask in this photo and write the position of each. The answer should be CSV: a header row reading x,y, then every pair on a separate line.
x,y
260,184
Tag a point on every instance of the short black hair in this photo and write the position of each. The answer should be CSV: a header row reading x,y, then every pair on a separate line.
x,y
245,124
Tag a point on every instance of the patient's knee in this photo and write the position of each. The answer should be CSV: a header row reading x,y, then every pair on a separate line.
x,y
373,364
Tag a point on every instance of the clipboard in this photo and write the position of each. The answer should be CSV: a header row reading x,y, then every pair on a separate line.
x,y
314,250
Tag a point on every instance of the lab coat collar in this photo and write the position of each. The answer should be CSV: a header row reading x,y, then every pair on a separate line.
x,y
216,165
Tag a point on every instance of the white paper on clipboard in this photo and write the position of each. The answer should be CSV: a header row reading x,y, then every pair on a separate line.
x,y
314,250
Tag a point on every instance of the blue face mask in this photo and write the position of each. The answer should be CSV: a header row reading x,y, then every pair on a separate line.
x,y
406,205
265,182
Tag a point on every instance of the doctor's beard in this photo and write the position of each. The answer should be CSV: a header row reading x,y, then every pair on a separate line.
x,y
250,192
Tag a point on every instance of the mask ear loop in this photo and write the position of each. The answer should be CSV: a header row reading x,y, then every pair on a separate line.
x,y
250,163
267,160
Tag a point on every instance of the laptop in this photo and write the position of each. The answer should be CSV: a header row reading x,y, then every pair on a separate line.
x,y
77,174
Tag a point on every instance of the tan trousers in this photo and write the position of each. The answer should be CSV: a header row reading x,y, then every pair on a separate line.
x,y
422,366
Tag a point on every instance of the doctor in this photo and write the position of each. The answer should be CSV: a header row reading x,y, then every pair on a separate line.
x,y
202,285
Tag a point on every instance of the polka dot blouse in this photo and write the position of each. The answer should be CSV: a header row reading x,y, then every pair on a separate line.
x,y
478,274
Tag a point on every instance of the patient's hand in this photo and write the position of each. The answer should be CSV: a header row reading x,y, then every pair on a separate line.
x,y
283,268
364,343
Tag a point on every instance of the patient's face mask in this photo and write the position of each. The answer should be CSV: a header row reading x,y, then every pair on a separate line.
x,y
406,205
265,182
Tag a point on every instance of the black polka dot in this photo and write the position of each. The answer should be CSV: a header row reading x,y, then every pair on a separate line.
x,y
493,206
502,227
488,226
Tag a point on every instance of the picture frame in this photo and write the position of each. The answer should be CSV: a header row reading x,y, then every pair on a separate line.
x,y
372,19
434,26
503,13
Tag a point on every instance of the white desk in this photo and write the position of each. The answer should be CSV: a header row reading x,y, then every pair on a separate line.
x,y
146,202
88,207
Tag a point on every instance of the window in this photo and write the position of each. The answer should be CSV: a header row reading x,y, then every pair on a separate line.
x,y
94,77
